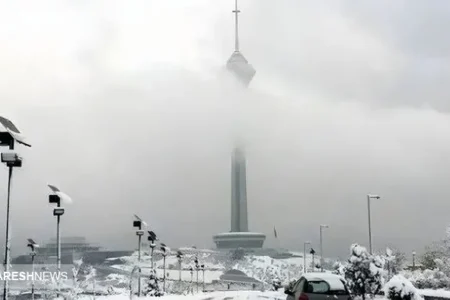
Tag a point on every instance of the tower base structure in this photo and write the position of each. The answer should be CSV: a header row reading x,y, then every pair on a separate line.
x,y
234,240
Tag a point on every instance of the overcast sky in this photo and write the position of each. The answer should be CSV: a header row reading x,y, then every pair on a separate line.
x,y
129,111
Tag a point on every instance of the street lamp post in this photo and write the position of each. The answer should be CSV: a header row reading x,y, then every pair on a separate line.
x,y
196,269
56,198
32,245
180,258
304,256
202,267
8,136
164,250
313,252
152,238
191,270
139,223
368,217
414,260
322,226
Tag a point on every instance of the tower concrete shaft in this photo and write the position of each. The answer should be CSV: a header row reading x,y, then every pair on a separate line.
x,y
239,219
240,236
243,72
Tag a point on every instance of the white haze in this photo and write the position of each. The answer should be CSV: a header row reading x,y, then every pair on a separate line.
x,y
129,112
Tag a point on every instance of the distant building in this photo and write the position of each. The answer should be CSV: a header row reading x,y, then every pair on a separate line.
x,y
72,248
69,245
237,276
414,267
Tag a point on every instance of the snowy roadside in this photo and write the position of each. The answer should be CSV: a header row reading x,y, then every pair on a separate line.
x,y
435,293
227,295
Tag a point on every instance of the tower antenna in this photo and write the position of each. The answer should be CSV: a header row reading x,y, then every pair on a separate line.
x,y
236,12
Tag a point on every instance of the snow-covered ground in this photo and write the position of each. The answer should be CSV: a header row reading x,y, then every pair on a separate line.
x,y
241,295
263,268
435,293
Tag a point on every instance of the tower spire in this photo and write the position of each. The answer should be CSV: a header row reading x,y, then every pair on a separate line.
x,y
236,12
237,63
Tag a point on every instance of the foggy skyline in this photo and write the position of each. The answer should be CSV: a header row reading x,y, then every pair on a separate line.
x,y
129,111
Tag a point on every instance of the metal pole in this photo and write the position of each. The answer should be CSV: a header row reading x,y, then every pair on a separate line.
x,y
304,257
414,260
179,260
7,247
370,226
192,280
139,261
203,279
313,265
197,278
321,249
32,280
164,276
139,248
58,255
151,257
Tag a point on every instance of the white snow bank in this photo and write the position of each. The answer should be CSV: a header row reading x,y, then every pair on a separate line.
x,y
238,295
400,286
435,293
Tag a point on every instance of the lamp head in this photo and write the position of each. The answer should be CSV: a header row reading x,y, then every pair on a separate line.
x,y
152,236
137,224
32,244
139,219
11,159
10,134
60,196
58,211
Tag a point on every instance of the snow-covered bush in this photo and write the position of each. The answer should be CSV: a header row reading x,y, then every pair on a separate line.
x,y
152,287
83,278
339,268
276,284
400,288
428,279
363,272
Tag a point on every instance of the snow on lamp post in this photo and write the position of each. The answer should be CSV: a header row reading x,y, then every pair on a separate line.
x,y
312,252
152,239
369,197
56,198
322,226
9,134
191,270
196,269
180,258
202,267
305,269
139,223
165,250
414,260
32,245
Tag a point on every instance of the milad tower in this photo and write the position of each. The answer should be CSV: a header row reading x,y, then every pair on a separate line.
x,y
239,236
